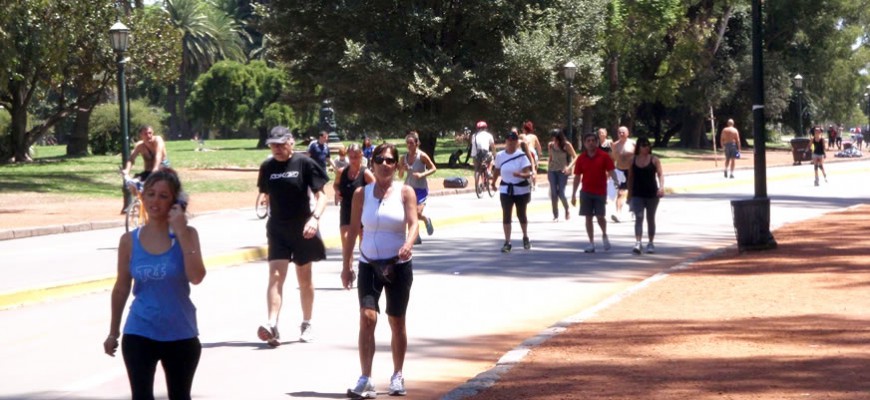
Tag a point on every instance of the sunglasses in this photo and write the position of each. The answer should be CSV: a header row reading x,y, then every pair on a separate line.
x,y
383,160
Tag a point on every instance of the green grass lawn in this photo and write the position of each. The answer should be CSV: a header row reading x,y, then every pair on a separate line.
x,y
97,176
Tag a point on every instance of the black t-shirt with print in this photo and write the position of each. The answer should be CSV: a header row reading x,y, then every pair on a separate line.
x,y
288,184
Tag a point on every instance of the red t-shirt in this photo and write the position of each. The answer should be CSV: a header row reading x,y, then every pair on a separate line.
x,y
594,172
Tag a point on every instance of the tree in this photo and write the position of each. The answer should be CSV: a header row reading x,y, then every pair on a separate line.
x,y
430,65
232,94
208,35
49,46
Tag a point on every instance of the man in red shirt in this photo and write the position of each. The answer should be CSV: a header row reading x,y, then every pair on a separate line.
x,y
593,169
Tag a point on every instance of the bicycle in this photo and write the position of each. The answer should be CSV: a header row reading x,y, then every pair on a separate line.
x,y
261,207
482,172
135,215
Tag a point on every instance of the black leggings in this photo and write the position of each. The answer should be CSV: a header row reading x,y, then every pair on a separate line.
x,y
507,207
649,205
179,359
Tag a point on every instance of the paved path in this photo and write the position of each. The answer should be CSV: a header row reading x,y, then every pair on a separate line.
x,y
470,304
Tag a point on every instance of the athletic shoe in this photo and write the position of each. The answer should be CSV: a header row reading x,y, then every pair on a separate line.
x,y
506,248
590,248
613,217
269,334
526,244
650,248
418,240
726,173
636,249
732,176
817,182
429,228
397,385
306,335
606,243
364,389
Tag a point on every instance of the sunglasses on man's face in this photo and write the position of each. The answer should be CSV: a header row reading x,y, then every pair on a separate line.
x,y
382,160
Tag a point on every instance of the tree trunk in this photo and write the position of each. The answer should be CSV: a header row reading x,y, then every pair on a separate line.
x,y
261,140
692,135
428,143
78,141
20,137
171,101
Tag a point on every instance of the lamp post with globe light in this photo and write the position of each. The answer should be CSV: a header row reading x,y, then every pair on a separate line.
x,y
119,35
799,85
570,69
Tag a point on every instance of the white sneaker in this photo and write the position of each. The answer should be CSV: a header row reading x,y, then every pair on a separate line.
x,y
636,249
590,248
364,389
305,333
397,385
269,334
606,243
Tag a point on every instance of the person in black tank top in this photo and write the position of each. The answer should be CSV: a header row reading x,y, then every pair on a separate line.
x,y
645,190
348,179
818,144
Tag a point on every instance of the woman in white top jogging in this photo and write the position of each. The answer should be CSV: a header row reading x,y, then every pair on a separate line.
x,y
388,210
515,169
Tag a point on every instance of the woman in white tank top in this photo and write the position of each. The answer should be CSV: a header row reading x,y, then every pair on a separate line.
x,y
388,210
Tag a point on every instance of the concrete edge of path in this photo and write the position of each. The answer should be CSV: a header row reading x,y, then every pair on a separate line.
x,y
514,356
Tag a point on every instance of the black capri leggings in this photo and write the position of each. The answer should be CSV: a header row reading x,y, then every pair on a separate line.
x,y
180,359
507,207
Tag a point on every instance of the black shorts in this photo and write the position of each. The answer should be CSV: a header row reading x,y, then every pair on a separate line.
x,y
286,243
370,284
344,215
592,204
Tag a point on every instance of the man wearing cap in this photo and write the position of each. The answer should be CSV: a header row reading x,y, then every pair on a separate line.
x,y
287,178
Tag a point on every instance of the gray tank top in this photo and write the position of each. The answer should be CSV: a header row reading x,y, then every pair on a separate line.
x,y
416,166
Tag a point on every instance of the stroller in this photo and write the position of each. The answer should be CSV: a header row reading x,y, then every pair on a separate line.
x,y
849,151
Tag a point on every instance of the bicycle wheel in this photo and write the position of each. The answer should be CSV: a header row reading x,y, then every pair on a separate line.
x,y
488,183
478,188
134,215
261,207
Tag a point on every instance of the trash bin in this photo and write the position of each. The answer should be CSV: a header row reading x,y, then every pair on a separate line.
x,y
800,150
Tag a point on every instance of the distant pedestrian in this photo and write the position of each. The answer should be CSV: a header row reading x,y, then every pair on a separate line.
x,y
289,180
418,165
593,168
318,150
531,140
515,169
348,179
158,261
367,149
559,165
646,185
819,154
388,211
730,140
623,153
340,161
606,144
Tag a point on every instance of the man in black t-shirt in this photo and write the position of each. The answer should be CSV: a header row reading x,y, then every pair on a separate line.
x,y
289,181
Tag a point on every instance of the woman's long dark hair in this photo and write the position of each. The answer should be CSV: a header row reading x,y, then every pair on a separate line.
x,y
560,138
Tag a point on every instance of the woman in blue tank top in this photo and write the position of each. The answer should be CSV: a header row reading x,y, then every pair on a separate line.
x,y
162,258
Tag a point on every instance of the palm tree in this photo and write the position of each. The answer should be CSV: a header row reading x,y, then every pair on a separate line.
x,y
210,35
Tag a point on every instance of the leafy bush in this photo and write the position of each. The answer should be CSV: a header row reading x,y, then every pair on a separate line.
x,y
104,132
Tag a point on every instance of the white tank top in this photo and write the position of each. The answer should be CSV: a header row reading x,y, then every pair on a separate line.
x,y
383,223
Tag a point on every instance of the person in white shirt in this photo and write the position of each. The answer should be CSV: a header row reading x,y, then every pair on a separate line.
x,y
482,147
515,169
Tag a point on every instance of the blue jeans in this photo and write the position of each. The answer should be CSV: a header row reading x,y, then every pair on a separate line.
x,y
558,181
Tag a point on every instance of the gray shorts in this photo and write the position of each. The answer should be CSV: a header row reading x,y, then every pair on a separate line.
x,y
818,156
730,150
592,204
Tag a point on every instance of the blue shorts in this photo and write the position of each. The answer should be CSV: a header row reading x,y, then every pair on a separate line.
x,y
422,195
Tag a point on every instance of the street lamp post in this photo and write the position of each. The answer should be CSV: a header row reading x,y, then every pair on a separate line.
x,y
867,98
799,85
570,69
120,35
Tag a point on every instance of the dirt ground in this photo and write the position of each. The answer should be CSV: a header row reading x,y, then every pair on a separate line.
x,y
19,210
790,323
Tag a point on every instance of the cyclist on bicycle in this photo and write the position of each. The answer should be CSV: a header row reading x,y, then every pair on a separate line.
x,y
152,148
482,147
